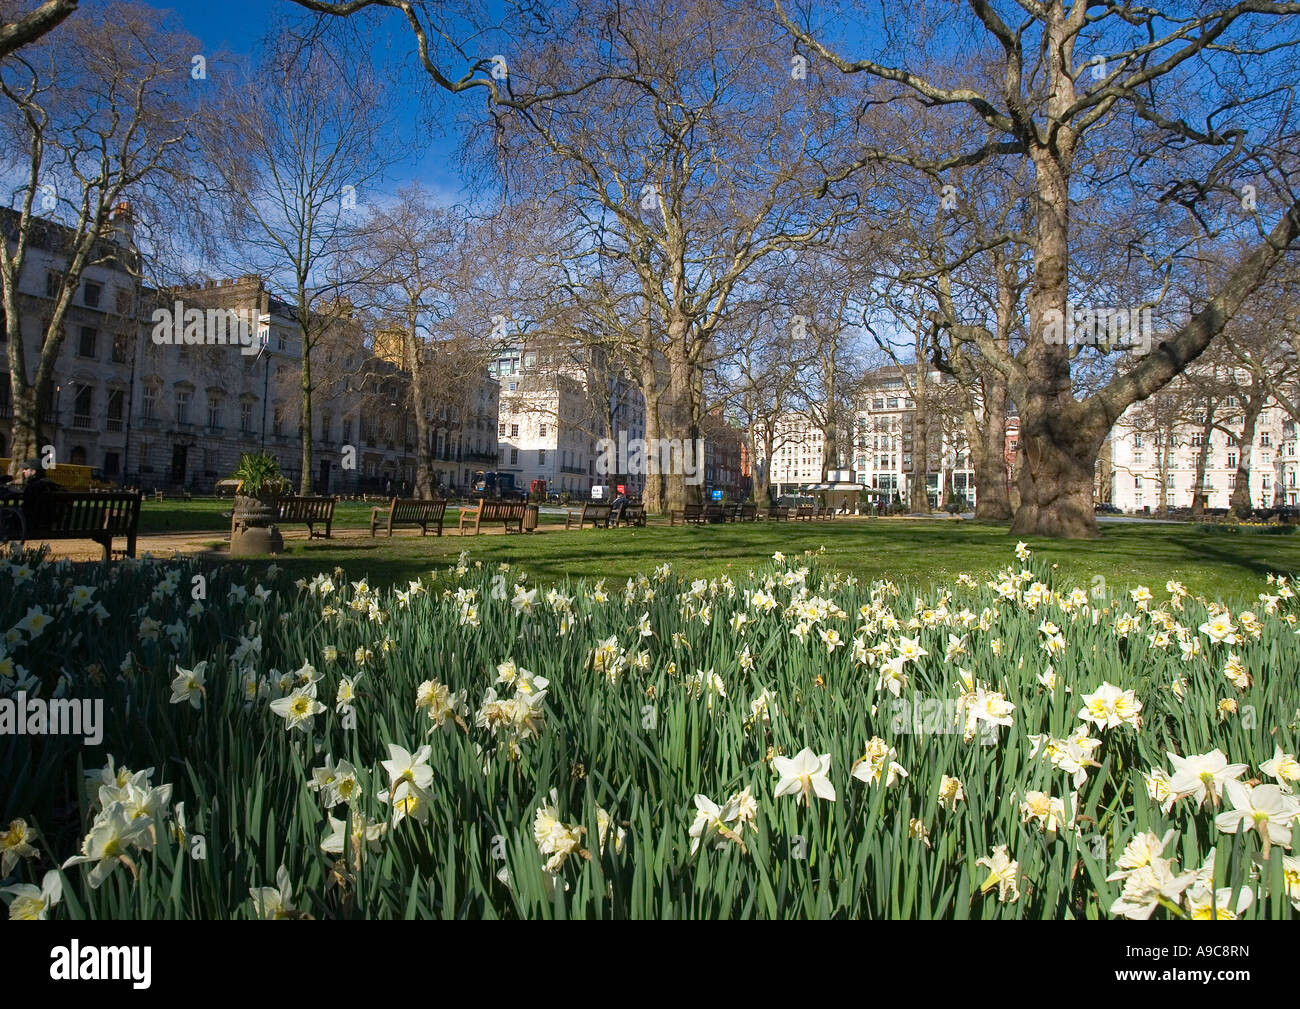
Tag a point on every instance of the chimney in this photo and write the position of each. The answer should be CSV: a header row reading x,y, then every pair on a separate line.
x,y
121,226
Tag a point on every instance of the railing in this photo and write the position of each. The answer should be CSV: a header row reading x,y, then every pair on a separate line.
x,y
113,424
81,421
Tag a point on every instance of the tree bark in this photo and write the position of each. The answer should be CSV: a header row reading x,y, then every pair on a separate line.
x,y
1240,502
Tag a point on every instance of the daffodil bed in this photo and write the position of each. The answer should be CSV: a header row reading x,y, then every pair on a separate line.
x,y
793,743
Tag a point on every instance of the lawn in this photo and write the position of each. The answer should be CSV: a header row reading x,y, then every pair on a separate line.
x,y
920,553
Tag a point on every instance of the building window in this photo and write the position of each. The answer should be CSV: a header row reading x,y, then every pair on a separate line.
x,y
116,402
245,417
53,283
541,432
86,346
277,422
1266,439
1137,441
541,457
1232,460
514,430
214,412
182,406
90,295
119,348
81,406
1268,481
149,408
501,430
1137,483
282,343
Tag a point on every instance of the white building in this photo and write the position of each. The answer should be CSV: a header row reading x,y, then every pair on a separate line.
x,y
884,438
798,451
553,411
1142,464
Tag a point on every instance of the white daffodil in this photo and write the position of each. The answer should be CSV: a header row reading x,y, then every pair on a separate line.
x,y
1204,904
1265,808
1108,707
112,833
1202,775
274,903
951,792
15,844
189,685
298,707
32,903
1002,874
804,775
1282,766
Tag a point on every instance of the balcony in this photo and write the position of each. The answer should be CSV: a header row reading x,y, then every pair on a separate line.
x,y
81,421
113,424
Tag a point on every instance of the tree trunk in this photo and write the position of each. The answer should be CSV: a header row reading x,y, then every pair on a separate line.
x,y
988,455
1241,503
1060,441
423,430
304,481
653,495
1207,430
26,428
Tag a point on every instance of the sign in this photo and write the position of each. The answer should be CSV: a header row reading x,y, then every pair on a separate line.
x,y
717,495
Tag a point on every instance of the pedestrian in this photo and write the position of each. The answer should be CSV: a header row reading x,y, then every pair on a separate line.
x,y
39,496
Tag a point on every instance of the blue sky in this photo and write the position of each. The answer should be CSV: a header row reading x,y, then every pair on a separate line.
x,y
238,26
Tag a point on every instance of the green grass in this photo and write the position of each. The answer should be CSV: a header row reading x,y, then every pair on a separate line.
x,y
920,553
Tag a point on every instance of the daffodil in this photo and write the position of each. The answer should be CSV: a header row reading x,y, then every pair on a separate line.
x,y
298,708
189,685
274,903
1003,873
1265,808
1282,766
804,775
15,844
112,833
1202,776
32,903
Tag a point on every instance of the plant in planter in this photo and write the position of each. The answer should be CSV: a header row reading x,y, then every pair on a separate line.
x,y
257,505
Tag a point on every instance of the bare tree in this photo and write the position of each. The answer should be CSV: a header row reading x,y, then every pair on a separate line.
x,y
1042,111
102,119
312,144
20,30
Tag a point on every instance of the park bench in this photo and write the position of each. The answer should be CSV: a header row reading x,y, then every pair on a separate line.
x,y
716,512
629,515
522,516
748,512
805,512
597,514
311,511
779,513
75,515
732,511
825,512
687,513
410,511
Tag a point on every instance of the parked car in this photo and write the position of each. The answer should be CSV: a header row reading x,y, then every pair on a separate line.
x,y
1106,508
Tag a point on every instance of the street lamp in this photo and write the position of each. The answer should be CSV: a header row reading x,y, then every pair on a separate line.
x,y
264,338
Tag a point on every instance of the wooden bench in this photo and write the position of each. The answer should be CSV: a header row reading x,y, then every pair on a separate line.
x,y
778,513
629,515
716,511
311,511
410,511
748,512
687,513
731,511
805,512
75,515
597,514
522,516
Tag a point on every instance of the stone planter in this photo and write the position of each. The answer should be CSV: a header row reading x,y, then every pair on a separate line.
x,y
252,527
